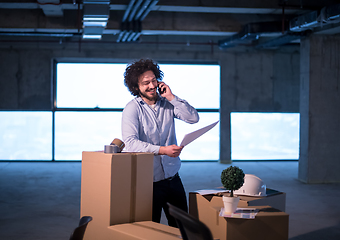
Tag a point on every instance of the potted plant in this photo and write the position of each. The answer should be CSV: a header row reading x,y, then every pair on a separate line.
x,y
232,179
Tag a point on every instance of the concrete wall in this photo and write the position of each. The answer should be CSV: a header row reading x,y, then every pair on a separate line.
x,y
320,110
25,81
257,81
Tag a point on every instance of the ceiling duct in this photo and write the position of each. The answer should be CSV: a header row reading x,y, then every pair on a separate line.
x,y
298,27
131,24
327,15
282,40
251,32
304,22
96,14
332,13
51,8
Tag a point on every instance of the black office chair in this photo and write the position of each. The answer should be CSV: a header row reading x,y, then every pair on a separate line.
x,y
191,228
79,231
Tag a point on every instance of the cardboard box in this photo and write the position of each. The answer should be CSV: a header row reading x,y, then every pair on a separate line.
x,y
115,188
274,198
144,230
269,223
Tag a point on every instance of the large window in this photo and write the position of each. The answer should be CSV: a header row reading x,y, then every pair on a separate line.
x,y
265,136
90,98
25,135
90,85
85,85
77,131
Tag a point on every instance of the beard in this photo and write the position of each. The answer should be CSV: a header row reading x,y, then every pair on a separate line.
x,y
153,98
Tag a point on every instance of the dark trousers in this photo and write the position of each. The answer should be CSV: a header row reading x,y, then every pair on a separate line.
x,y
168,191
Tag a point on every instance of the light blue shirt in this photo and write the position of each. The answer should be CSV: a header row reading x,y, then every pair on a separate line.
x,y
145,129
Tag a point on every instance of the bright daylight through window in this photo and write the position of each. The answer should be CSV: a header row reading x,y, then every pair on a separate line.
x,y
94,85
90,98
265,136
25,135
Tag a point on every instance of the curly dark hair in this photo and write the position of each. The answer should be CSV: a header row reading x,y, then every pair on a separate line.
x,y
137,68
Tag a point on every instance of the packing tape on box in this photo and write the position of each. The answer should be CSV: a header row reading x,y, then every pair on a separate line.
x,y
111,149
116,146
118,143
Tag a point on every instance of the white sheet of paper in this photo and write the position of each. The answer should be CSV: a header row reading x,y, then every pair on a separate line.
x,y
188,138
211,191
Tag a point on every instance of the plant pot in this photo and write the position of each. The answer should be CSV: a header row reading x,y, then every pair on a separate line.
x,y
230,203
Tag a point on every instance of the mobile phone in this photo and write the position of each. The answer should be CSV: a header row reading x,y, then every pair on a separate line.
x,y
161,91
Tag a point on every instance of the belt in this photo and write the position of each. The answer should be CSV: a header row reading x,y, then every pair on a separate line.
x,y
170,178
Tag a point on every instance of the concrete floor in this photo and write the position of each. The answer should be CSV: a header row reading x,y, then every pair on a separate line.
x,y
41,200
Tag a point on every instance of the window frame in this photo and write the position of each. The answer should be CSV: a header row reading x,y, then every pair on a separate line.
x,y
55,109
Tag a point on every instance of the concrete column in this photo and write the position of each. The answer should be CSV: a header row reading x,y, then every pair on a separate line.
x,y
320,109
226,97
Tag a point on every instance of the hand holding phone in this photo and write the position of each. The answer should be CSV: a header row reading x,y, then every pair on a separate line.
x,y
165,91
160,90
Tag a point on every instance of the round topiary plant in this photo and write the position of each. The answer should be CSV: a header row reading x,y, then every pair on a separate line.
x,y
232,179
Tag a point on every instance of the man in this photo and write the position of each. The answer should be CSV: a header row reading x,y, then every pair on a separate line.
x,y
148,126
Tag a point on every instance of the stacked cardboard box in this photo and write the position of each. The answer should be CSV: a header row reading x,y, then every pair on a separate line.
x,y
116,189
269,223
144,231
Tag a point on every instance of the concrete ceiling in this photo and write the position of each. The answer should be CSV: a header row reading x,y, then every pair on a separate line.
x,y
259,23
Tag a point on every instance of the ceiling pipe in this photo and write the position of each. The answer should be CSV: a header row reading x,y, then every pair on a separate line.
x,y
142,9
129,31
136,31
125,25
135,38
133,12
125,37
131,28
146,12
127,11
132,35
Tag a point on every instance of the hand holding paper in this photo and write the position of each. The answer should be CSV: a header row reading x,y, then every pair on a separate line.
x,y
171,150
